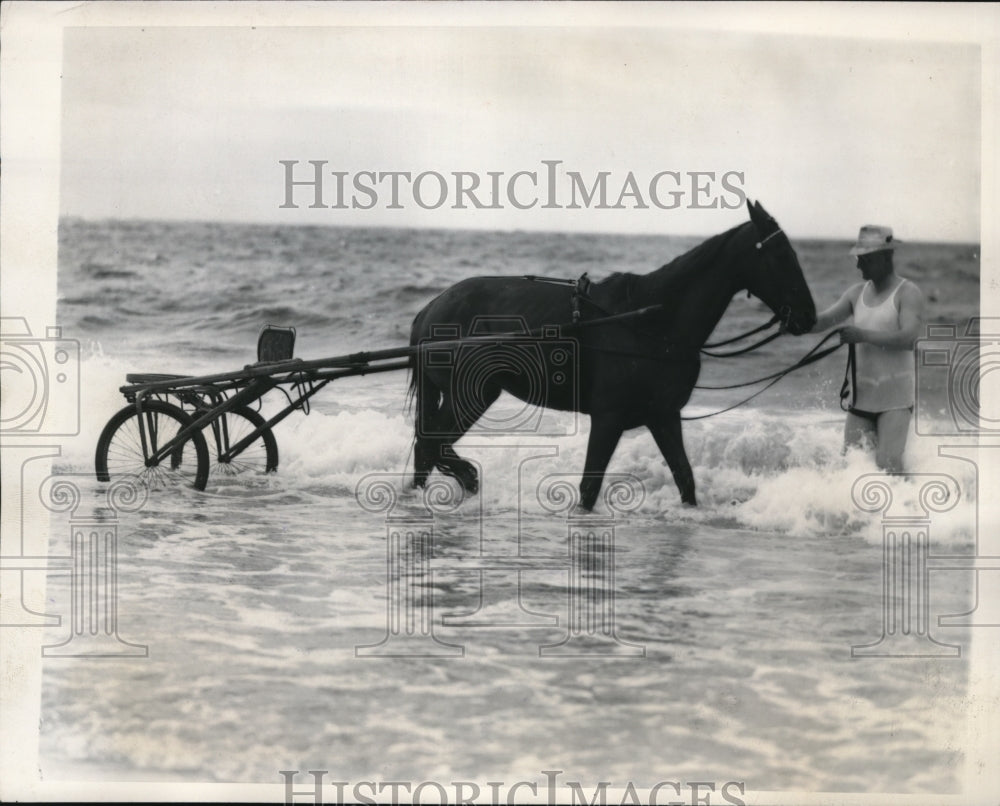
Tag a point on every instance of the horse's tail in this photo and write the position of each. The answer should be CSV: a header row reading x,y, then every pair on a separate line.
x,y
411,391
414,368
422,390
428,399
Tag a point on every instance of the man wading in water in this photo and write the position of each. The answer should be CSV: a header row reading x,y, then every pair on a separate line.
x,y
888,311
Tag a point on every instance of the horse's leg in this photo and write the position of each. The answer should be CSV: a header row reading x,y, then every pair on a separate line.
x,y
423,461
605,431
455,419
427,414
667,433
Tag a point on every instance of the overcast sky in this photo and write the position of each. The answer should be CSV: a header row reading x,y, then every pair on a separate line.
x,y
829,133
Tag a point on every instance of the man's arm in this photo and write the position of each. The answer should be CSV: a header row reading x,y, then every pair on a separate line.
x,y
911,316
837,312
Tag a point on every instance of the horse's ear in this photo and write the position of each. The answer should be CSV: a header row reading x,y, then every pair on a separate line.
x,y
760,217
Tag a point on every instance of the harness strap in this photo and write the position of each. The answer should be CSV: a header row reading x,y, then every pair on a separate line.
x,y
665,356
550,280
581,292
616,317
581,289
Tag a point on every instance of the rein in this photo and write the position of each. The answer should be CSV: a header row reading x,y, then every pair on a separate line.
x,y
773,321
749,349
809,358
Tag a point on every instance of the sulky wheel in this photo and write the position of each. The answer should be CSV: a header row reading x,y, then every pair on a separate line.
x,y
128,446
257,458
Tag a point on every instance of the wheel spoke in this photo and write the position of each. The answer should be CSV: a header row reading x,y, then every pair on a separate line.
x,y
130,439
259,457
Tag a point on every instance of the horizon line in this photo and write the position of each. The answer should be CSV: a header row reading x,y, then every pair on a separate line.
x,y
492,230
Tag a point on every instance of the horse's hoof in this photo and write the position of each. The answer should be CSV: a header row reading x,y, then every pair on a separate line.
x,y
466,477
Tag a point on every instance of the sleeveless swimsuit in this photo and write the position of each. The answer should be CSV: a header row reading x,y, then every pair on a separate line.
x,y
884,376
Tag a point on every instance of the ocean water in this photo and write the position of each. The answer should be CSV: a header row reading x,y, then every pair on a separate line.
x,y
253,596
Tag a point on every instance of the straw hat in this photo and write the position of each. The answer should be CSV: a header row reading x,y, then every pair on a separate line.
x,y
873,238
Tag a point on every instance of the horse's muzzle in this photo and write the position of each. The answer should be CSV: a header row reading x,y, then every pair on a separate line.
x,y
798,323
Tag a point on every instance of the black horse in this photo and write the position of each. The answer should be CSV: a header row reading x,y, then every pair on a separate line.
x,y
633,370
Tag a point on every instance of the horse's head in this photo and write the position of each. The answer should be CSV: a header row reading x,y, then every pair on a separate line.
x,y
773,274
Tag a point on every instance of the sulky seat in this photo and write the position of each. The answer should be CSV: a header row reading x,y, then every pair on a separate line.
x,y
275,343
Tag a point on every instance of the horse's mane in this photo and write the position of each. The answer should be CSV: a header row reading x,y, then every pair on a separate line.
x,y
625,286
679,270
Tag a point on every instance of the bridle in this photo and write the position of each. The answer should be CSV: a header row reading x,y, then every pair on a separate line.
x,y
782,317
762,241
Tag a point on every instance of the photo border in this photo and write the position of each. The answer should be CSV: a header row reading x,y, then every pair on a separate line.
x,y
30,66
